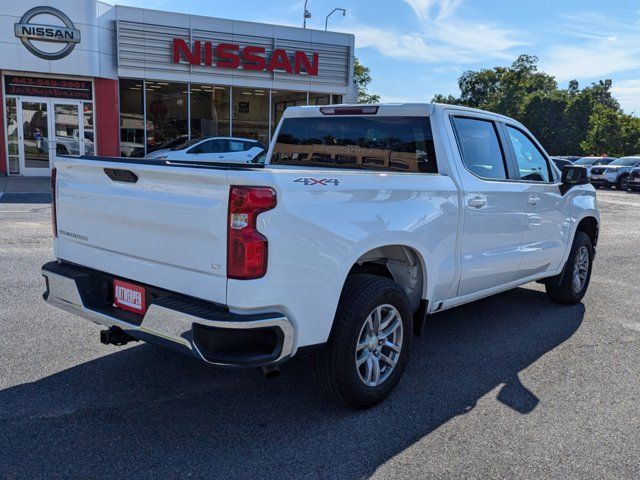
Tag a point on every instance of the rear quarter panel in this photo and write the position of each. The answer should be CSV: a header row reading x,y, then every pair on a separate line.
x,y
317,232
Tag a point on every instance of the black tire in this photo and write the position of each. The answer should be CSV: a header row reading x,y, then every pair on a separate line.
x,y
337,376
623,182
561,289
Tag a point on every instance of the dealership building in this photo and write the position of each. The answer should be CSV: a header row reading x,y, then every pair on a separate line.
x,y
86,77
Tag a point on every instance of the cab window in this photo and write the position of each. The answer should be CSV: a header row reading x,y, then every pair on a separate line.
x,y
211,146
480,148
532,165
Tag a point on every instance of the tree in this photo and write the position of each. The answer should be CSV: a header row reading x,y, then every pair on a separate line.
x,y
362,78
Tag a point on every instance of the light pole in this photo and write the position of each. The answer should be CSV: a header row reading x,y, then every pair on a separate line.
x,y
305,15
326,20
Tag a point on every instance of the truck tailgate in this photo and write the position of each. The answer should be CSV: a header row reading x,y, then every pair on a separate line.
x,y
167,229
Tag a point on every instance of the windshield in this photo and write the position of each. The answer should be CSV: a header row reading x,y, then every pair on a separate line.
x,y
588,161
400,144
626,161
603,161
186,144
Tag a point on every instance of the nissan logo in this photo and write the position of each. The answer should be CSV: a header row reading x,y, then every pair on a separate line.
x,y
29,32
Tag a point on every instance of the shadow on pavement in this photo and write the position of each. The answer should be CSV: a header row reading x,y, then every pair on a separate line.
x,y
22,198
147,412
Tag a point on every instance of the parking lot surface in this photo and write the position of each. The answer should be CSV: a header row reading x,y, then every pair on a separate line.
x,y
512,386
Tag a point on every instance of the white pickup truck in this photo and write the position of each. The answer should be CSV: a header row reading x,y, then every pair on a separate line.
x,y
363,221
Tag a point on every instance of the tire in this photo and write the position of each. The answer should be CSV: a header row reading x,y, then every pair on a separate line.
x,y
337,375
570,287
623,183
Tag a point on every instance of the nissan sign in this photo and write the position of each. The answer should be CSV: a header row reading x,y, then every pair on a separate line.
x,y
31,32
250,57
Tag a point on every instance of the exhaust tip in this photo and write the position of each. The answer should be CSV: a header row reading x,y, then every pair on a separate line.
x,y
271,372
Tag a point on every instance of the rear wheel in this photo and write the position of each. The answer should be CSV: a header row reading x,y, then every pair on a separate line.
x,y
571,286
369,345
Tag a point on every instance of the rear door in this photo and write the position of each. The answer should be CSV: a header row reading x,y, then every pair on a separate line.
x,y
240,151
494,206
548,211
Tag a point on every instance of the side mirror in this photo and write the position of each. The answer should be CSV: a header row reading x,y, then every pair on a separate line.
x,y
573,175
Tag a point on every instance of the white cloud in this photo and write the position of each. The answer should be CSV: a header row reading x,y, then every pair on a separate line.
x,y
600,46
442,36
628,93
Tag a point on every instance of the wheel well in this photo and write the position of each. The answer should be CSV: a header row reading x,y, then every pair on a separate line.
x,y
400,263
589,225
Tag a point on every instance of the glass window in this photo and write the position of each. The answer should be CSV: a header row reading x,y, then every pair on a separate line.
x,y
131,119
236,146
210,146
166,113
531,163
319,98
209,111
399,144
336,99
12,137
480,148
251,113
281,100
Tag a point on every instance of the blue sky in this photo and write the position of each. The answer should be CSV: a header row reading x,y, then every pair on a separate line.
x,y
416,48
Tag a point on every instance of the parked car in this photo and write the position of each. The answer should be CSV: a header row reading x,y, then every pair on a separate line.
x,y
593,162
561,162
212,149
615,174
364,220
634,179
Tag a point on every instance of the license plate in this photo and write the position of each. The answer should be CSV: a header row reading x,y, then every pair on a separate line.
x,y
636,180
128,296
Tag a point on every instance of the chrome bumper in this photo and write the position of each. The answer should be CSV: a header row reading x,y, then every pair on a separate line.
x,y
167,326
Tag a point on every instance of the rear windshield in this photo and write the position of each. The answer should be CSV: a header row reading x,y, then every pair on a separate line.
x,y
398,144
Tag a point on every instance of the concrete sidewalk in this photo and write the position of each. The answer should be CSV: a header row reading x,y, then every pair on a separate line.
x,y
25,189
25,185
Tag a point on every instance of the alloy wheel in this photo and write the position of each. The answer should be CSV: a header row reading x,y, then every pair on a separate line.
x,y
379,345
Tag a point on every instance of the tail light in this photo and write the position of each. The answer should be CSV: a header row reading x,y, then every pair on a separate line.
x,y
247,249
54,213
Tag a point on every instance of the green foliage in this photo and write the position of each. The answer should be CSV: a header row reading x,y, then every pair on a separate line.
x,y
572,121
362,78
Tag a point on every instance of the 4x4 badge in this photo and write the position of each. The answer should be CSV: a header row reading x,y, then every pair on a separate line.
x,y
317,181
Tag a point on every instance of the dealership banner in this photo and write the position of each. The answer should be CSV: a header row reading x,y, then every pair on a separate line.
x,y
282,60
47,87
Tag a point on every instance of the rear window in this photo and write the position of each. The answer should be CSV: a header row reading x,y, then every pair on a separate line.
x,y
398,144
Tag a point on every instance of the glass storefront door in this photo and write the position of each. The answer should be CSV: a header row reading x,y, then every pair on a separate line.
x,y
46,128
35,137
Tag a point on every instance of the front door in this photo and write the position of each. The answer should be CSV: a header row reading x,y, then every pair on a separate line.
x,y
47,128
547,231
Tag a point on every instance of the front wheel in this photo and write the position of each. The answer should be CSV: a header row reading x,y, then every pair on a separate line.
x,y
572,285
623,182
369,345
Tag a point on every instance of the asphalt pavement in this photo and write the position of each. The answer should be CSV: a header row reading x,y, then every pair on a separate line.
x,y
512,386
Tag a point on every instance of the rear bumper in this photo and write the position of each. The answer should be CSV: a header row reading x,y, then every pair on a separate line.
x,y
204,330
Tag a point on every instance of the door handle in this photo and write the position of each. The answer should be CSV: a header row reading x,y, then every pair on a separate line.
x,y
533,200
477,202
